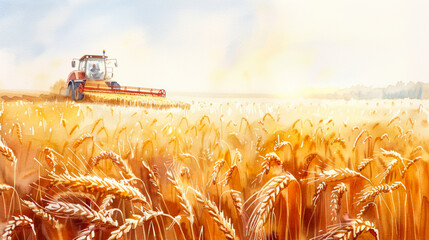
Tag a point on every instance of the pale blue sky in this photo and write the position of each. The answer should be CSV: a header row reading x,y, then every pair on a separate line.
x,y
274,46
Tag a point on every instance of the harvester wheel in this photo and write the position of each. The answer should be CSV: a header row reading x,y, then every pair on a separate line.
x,y
70,90
162,93
77,91
115,86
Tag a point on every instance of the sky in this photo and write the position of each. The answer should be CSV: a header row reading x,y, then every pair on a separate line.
x,y
218,46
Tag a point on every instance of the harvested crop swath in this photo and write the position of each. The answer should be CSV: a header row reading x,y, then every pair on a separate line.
x,y
136,100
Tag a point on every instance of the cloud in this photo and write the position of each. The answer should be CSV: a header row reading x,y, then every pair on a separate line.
x,y
47,28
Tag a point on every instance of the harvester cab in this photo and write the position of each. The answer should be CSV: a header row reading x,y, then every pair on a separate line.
x,y
94,74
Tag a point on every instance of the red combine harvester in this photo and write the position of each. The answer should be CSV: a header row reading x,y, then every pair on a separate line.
x,y
95,74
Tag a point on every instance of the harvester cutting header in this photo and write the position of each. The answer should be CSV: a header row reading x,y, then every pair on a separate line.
x,y
95,74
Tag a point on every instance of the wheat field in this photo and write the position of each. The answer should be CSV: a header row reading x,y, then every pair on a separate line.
x,y
215,169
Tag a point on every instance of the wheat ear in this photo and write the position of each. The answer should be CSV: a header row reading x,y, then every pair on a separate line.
x,y
268,160
341,141
180,193
354,229
339,174
19,132
81,139
50,157
97,184
392,154
216,169
17,222
153,179
308,160
282,144
41,213
107,201
320,188
238,203
409,164
268,195
88,233
7,152
365,209
5,187
95,124
228,174
364,163
369,195
72,194
117,160
132,223
223,222
336,196
72,210
358,137
73,129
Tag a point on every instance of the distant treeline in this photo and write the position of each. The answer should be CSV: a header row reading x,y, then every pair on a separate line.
x,y
412,90
400,90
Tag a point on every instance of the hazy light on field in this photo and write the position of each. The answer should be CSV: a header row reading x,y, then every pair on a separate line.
x,y
279,47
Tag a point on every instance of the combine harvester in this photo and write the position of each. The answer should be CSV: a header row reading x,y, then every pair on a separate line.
x,y
93,81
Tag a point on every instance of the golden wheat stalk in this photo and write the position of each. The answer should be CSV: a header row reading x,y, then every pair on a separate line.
x,y
338,174
222,221
38,211
50,157
269,159
268,195
216,169
369,195
393,119
107,201
365,209
81,139
19,132
117,160
153,179
392,154
72,210
16,223
340,141
72,195
73,129
180,193
281,144
96,123
364,163
320,188
87,234
97,184
5,187
63,122
228,174
409,164
132,223
336,196
308,160
7,152
238,203
416,150
389,168
358,137
353,229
